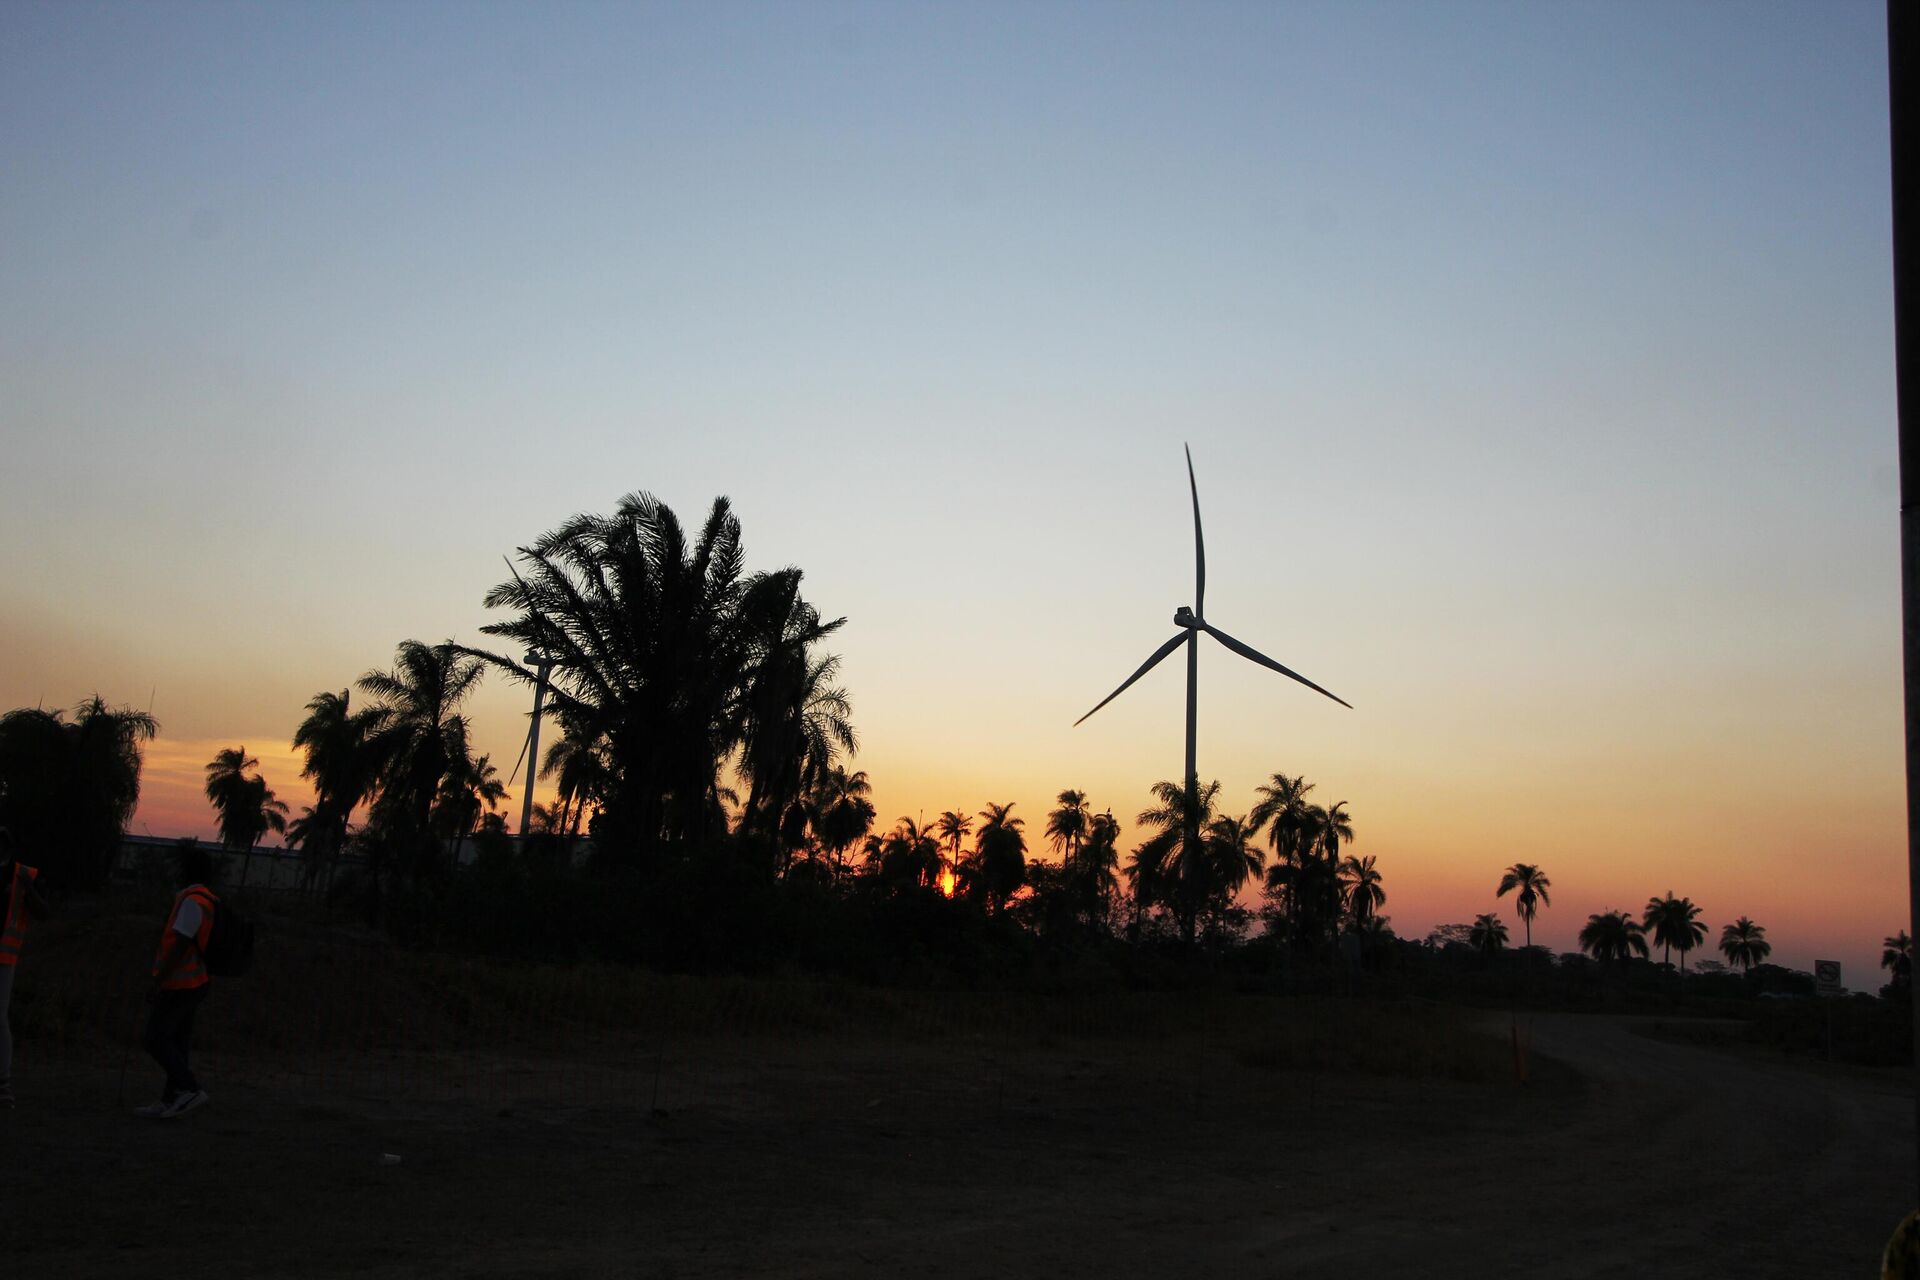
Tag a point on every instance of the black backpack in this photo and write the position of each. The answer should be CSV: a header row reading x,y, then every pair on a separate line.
x,y
229,942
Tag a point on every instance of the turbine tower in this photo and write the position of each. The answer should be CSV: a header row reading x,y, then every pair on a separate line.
x,y
1191,623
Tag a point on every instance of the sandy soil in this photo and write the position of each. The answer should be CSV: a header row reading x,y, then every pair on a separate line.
x,y
817,1157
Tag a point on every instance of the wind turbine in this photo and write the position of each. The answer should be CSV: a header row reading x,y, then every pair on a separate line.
x,y
542,664
1191,623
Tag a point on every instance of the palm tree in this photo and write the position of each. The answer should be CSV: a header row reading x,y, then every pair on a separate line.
x,y
906,857
1744,943
1232,859
1283,810
1675,925
69,787
666,647
1897,955
421,737
1093,876
952,827
1067,825
1166,871
344,768
1613,937
1316,874
578,762
1364,895
796,725
1533,884
469,789
1489,933
999,864
245,805
843,813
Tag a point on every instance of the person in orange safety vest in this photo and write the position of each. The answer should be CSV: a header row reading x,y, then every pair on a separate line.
x,y
180,984
22,902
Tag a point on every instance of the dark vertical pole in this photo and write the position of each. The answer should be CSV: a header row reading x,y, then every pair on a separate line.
x,y
542,665
1192,781
1903,63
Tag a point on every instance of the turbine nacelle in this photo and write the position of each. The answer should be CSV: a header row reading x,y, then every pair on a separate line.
x,y
1183,617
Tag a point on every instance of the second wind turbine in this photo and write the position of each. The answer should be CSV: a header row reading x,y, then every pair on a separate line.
x,y
1191,623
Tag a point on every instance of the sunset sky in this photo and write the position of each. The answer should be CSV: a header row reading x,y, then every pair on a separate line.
x,y
1536,363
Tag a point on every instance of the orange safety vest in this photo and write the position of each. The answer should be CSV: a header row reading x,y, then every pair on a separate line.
x,y
15,932
191,972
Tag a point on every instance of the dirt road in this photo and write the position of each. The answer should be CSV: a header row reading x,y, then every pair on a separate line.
x,y
827,1158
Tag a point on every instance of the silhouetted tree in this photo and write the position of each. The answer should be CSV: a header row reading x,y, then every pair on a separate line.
x,y
1364,894
1166,871
1067,824
950,828
344,766
69,787
999,864
668,649
1675,925
1489,933
1896,956
1744,943
905,858
1612,937
245,805
1092,876
420,739
1533,884
468,789
843,813
1284,812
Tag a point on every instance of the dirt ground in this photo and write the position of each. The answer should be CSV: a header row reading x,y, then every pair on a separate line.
x,y
827,1156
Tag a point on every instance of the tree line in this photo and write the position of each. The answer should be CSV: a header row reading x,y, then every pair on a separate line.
x,y
704,749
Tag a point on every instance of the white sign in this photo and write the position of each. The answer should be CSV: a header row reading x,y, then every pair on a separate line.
x,y
1826,978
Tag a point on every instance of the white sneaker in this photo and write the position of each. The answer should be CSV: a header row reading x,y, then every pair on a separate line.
x,y
152,1111
184,1103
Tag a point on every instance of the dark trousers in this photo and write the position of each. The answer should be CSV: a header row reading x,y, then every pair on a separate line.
x,y
169,1028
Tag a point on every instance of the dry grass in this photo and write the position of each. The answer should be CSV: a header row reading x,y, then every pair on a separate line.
x,y
318,990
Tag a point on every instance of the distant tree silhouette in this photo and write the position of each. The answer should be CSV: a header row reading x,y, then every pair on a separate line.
x,y
797,723
246,807
1093,874
1489,933
1533,885
1165,870
1232,860
344,766
843,815
665,646
1309,882
69,787
999,864
1896,956
420,739
1674,924
1612,937
906,857
1364,893
468,789
1067,824
1288,819
951,827
1744,943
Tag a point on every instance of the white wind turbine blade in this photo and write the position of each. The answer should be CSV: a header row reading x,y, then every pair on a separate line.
x,y
1254,655
1165,649
1199,545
